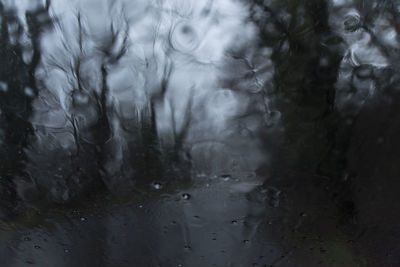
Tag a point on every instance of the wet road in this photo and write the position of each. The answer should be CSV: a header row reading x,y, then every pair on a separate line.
x,y
219,221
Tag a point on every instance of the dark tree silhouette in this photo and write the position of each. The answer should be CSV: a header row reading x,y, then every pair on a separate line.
x,y
19,89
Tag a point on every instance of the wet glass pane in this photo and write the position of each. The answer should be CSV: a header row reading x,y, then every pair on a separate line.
x,y
199,133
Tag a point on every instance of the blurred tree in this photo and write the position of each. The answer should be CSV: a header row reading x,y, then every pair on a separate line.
x,y
306,54
20,59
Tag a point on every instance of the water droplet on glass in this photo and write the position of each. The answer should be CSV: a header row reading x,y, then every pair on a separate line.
x,y
66,250
272,118
37,247
324,62
157,186
29,92
80,98
27,55
226,177
352,22
184,37
186,196
364,71
83,219
246,241
3,86
234,222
